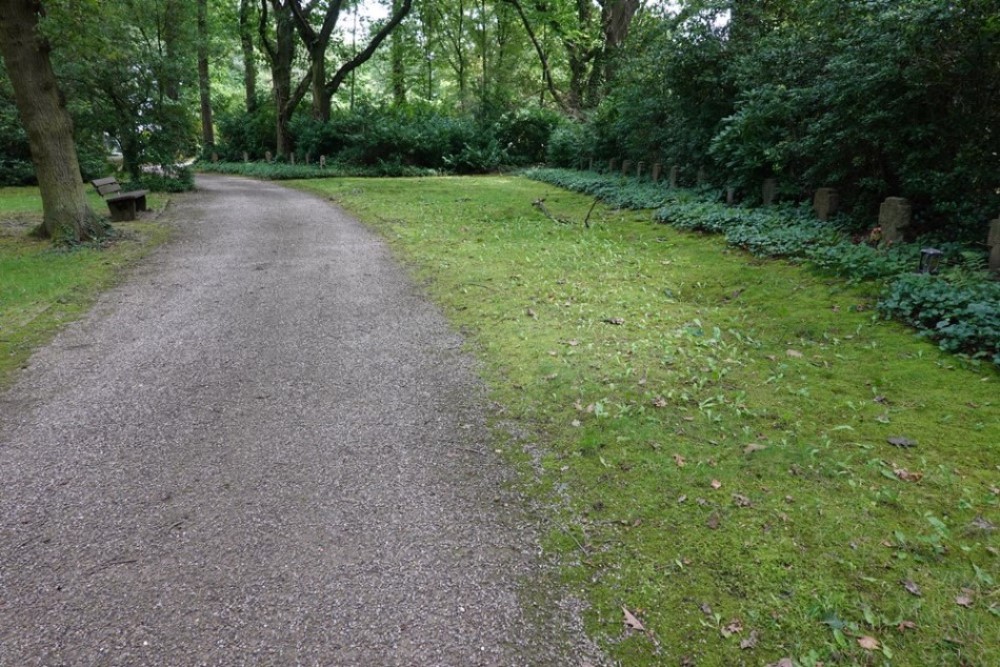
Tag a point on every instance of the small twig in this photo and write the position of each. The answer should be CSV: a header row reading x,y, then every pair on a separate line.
x,y
586,221
540,205
582,548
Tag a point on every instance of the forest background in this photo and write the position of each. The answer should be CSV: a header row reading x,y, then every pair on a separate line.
x,y
873,97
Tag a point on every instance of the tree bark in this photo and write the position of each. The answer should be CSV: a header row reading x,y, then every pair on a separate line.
x,y
204,85
397,53
281,56
66,214
249,61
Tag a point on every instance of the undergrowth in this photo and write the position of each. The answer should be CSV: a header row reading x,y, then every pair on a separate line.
x,y
281,171
965,321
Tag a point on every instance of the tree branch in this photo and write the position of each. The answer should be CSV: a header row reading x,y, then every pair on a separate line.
x,y
338,78
541,56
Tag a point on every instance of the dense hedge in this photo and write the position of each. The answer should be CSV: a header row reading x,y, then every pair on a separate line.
x,y
396,140
874,97
959,308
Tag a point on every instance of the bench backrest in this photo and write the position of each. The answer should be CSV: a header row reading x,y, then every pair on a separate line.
x,y
106,186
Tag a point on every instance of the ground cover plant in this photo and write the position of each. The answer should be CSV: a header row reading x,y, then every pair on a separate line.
x,y
283,171
960,308
746,463
42,286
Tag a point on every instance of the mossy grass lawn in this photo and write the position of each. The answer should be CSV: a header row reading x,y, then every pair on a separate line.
x,y
43,286
715,433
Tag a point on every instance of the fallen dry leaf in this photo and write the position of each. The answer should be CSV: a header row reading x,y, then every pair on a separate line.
x,y
784,662
741,501
573,343
716,484
753,447
907,476
531,313
659,402
983,524
749,642
734,627
682,499
899,441
868,643
713,521
631,621
964,600
705,609
617,321
795,354
679,460
906,625
911,587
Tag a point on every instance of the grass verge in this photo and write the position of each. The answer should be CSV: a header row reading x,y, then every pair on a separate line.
x,y
42,287
740,452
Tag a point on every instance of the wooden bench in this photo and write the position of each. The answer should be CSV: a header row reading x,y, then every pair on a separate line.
x,y
124,206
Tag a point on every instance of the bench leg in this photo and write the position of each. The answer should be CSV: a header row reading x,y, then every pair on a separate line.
x,y
122,210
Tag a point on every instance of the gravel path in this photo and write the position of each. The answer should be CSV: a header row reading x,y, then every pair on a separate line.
x,y
265,449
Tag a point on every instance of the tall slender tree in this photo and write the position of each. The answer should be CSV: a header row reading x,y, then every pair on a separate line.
x,y
247,23
204,85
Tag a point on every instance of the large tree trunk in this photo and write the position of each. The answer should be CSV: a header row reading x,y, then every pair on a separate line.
x,y
249,62
50,129
281,56
204,85
320,102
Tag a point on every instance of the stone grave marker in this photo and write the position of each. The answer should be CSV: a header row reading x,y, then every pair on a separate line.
x,y
674,173
590,165
268,156
730,195
993,241
215,157
893,218
308,159
657,171
769,190
291,158
246,156
639,168
613,165
626,167
825,203
322,162
702,177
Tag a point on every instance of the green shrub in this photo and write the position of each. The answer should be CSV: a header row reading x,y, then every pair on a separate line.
x,y
180,180
282,171
962,318
524,135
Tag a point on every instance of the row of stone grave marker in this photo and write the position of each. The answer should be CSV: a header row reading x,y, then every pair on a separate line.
x,y
895,213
